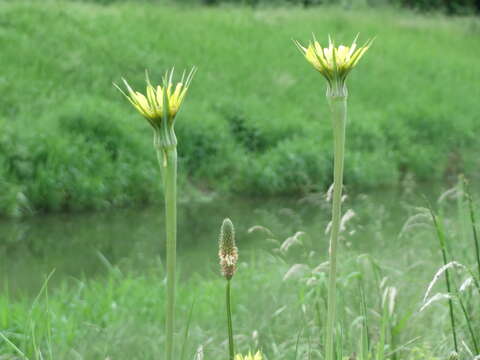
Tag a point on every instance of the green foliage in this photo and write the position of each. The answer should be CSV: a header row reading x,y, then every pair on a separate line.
x,y
278,298
255,119
278,293
449,6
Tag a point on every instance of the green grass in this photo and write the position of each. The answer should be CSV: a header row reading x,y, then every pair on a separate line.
x,y
255,120
279,297
121,316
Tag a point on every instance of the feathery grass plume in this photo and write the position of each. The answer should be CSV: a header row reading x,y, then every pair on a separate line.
x,y
334,63
160,107
228,254
257,356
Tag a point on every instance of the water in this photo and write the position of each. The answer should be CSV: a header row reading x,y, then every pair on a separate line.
x,y
86,245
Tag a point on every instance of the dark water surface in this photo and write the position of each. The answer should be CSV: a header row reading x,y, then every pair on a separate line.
x,y
85,245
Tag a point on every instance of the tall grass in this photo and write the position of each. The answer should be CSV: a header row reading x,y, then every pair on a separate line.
x,y
66,144
119,315
461,278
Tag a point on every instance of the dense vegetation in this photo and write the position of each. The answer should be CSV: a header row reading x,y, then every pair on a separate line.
x,y
447,6
255,120
279,290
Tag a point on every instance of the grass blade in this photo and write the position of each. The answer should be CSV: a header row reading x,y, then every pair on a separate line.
x,y
474,230
187,330
441,238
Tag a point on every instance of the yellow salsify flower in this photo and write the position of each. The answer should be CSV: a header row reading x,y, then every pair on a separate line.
x,y
334,63
257,356
162,101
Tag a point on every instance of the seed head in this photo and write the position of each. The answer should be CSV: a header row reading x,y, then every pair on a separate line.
x,y
228,252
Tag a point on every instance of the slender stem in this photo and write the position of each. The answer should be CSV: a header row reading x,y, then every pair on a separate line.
x,y
469,323
231,346
474,229
441,238
167,157
338,107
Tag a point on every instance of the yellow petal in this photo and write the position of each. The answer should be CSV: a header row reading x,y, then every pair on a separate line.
x,y
151,97
342,53
141,99
160,97
311,56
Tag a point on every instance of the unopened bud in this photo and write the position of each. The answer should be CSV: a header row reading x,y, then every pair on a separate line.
x,y
228,252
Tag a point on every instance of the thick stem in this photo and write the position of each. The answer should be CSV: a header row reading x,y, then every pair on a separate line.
x,y
167,157
338,107
231,347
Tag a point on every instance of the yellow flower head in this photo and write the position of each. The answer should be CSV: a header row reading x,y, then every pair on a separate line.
x,y
257,356
334,63
160,102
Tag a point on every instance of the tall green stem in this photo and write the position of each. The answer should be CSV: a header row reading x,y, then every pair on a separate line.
x,y
338,107
167,157
231,347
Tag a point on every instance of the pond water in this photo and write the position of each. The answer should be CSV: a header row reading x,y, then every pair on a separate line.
x,y
85,245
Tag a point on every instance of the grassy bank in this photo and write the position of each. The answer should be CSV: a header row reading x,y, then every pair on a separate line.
x,y
255,121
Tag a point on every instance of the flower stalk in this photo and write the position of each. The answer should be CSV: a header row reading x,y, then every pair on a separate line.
x,y
160,106
338,108
169,170
231,345
334,64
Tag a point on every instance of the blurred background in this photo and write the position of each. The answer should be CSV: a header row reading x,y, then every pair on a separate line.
x,y
255,121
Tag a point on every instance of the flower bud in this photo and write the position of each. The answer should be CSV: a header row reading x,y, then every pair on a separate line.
x,y
228,252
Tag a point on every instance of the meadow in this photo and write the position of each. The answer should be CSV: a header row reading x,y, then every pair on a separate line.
x,y
253,124
113,306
